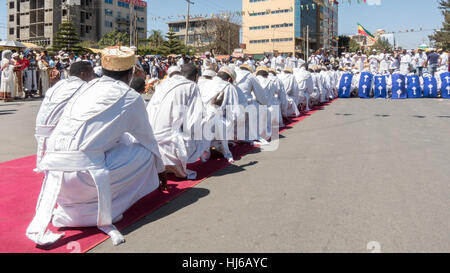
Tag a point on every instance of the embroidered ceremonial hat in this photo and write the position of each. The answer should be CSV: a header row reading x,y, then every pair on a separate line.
x,y
118,58
262,68
229,71
246,66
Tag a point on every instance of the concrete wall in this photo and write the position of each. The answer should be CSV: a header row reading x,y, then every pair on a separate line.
x,y
268,20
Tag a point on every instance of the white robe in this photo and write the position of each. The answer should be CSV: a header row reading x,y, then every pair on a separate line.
x,y
292,94
43,76
227,116
270,89
7,81
51,110
176,112
101,159
305,86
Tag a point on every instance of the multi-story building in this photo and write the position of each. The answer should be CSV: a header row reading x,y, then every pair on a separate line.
x,y
38,20
203,32
366,41
282,25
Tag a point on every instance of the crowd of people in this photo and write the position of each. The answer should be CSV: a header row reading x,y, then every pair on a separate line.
x,y
102,148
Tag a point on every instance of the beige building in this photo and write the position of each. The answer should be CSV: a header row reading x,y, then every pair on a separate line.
x,y
281,25
38,21
204,32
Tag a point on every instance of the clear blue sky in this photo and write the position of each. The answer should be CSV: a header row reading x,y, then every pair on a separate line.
x,y
391,15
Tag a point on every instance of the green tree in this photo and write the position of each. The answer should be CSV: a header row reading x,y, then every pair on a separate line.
x,y
382,44
173,45
344,44
441,38
114,38
67,38
353,46
156,38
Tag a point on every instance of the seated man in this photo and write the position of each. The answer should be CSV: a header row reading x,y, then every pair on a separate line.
x,y
55,101
102,156
221,98
176,112
292,92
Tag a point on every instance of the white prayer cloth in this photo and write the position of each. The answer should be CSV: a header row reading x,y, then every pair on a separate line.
x,y
51,110
292,94
225,118
176,114
43,77
7,80
405,62
101,159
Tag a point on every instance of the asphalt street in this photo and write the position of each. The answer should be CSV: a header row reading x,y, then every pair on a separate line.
x,y
358,172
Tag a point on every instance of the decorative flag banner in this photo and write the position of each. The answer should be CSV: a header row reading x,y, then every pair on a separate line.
x,y
363,31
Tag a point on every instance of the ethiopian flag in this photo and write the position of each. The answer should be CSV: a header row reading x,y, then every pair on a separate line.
x,y
363,31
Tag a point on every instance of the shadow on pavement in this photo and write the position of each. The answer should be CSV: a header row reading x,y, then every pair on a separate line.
x,y
233,168
188,198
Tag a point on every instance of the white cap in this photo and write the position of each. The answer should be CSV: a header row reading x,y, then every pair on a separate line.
x,y
173,69
209,73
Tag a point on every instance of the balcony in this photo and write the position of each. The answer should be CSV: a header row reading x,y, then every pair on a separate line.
x,y
122,21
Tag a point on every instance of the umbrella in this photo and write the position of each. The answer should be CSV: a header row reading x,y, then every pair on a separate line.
x,y
423,47
12,43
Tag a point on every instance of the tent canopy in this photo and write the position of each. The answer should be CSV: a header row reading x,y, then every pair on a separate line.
x,y
12,44
32,46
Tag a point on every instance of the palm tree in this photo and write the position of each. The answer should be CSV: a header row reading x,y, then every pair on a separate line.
x,y
156,38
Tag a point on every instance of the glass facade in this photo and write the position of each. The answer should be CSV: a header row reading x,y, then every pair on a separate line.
x,y
322,22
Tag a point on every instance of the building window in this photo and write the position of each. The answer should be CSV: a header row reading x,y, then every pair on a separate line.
x,y
139,8
64,12
259,27
259,13
281,11
11,5
109,2
11,31
108,12
11,18
282,40
282,25
122,4
108,24
258,41
253,1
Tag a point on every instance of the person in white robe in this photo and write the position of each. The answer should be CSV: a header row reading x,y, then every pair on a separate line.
x,y
292,92
101,158
291,61
359,60
374,62
221,101
280,98
306,87
176,111
43,75
267,117
443,60
7,79
54,102
405,62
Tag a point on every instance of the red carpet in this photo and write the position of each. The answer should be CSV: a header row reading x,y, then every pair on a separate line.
x,y
20,187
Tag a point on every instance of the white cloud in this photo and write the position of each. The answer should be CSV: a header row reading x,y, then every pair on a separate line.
x,y
374,2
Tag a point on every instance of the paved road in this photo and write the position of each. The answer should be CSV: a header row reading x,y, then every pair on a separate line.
x,y
356,172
